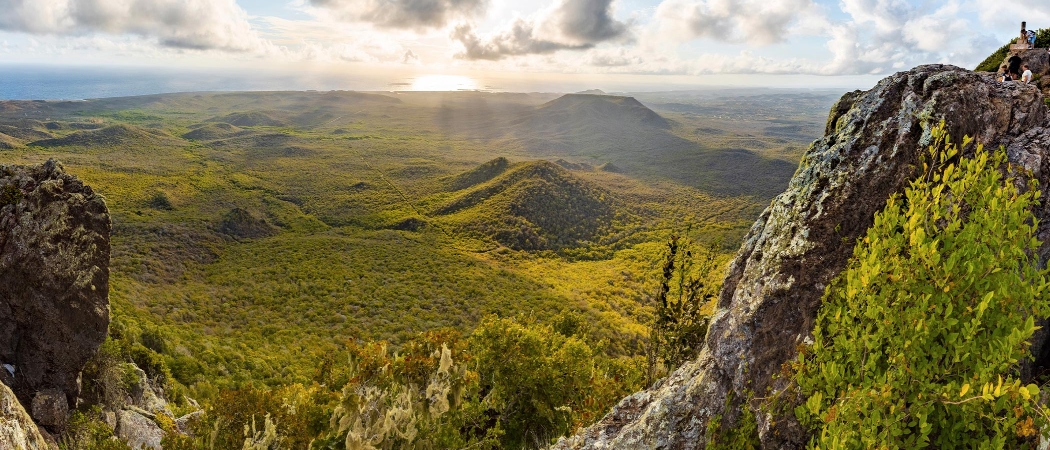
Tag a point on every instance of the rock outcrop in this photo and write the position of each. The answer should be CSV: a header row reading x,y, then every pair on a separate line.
x,y
773,288
54,279
17,430
139,431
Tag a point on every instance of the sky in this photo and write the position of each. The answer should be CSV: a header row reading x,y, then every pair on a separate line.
x,y
519,45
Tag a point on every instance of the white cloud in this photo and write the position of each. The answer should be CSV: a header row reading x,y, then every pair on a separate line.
x,y
404,14
758,22
566,25
183,24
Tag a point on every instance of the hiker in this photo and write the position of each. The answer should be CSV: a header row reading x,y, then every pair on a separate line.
x,y
1024,35
1004,74
1031,39
1015,67
1026,77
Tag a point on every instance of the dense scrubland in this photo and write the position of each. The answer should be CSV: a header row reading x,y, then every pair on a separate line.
x,y
305,264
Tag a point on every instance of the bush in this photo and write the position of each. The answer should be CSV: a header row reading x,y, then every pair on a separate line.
x,y
917,342
86,432
679,325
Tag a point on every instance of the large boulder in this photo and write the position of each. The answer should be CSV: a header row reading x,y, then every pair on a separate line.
x,y
138,430
772,289
17,430
54,278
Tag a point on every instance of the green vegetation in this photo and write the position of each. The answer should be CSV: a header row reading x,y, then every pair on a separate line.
x,y
918,340
267,245
437,391
687,296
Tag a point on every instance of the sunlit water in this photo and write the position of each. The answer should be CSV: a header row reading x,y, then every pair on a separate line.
x,y
444,83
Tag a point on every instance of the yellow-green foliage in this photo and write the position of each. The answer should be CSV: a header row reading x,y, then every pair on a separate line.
x,y
683,304
544,384
917,341
86,431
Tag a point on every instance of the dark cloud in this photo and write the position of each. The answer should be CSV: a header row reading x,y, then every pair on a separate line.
x,y
187,24
405,14
518,40
589,21
570,25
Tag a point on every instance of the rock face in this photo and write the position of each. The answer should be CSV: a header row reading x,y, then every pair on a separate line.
x,y
50,408
54,278
772,290
139,431
17,430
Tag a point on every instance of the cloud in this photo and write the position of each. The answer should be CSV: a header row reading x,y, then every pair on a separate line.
x,y
404,14
183,24
759,22
618,58
567,25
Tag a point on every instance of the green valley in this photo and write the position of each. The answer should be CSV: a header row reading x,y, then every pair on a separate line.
x,y
258,235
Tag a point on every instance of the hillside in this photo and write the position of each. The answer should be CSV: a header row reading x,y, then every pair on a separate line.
x,y
112,135
248,119
477,175
246,256
8,142
212,131
535,206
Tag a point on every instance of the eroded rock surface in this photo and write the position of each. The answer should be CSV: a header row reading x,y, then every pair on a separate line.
x,y
54,278
17,430
139,431
772,289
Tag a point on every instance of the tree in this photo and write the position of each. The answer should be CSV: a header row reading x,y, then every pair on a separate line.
x,y
679,327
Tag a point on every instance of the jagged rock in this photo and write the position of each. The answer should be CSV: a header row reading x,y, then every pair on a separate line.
x,y
110,418
54,277
145,395
183,423
1038,60
17,430
51,409
138,431
772,289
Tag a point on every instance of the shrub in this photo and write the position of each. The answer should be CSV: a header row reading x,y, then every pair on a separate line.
x,y
917,341
160,201
86,432
9,195
679,326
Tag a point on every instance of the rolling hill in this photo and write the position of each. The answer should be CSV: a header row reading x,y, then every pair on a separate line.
x,y
113,135
535,206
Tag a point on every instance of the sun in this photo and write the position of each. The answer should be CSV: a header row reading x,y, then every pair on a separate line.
x,y
444,83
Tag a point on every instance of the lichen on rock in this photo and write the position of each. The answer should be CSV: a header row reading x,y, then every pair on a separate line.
x,y
772,289
54,278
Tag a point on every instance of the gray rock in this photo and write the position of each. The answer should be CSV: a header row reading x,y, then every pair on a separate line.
x,y
183,423
50,409
17,430
54,277
145,394
110,418
139,431
773,288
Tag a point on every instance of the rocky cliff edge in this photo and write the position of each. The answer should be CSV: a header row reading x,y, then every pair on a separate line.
x,y
54,285
773,288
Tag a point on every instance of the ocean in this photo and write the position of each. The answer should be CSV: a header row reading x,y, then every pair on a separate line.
x,y
79,83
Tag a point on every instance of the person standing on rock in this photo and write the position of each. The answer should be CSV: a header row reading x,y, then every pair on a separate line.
x,y
1031,39
1015,67
1026,77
